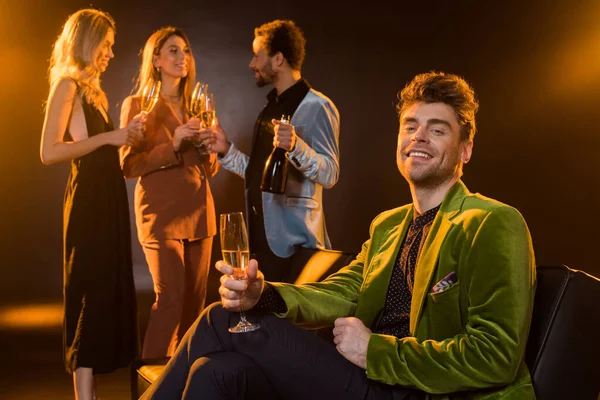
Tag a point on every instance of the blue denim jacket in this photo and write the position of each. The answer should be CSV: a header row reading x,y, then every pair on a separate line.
x,y
296,217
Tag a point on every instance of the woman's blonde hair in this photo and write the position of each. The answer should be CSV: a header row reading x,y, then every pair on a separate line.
x,y
74,50
147,71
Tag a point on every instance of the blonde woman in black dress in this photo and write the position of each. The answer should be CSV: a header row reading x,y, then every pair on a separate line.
x,y
100,327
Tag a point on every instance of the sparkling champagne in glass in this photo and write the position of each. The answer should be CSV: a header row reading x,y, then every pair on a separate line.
x,y
195,108
234,247
238,259
150,95
208,113
202,107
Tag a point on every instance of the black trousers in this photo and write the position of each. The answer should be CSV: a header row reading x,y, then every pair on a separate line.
x,y
278,361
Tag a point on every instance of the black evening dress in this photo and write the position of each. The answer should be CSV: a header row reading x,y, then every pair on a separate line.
x,y
100,324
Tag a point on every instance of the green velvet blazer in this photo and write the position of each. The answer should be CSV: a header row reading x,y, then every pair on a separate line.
x,y
468,342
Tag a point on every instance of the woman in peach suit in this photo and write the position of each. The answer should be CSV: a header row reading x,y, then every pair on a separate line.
x,y
175,214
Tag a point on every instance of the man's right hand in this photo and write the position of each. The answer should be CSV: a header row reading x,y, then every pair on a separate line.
x,y
245,291
214,139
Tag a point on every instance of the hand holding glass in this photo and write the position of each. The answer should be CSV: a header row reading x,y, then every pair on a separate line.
x,y
208,113
149,97
202,106
234,247
195,108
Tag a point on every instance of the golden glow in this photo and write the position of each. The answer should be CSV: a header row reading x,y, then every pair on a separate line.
x,y
10,69
571,65
32,316
576,66
564,66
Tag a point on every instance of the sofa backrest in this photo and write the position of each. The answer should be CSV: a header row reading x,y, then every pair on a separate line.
x,y
314,265
563,349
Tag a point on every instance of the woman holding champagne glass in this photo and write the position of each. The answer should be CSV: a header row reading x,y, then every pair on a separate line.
x,y
100,324
174,207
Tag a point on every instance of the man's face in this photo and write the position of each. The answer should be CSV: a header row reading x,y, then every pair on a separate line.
x,y
430,152
261,64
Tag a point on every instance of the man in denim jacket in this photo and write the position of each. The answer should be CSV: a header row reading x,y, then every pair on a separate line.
x,y
279,222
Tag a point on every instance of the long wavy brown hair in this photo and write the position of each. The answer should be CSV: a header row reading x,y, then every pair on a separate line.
x,y
147,71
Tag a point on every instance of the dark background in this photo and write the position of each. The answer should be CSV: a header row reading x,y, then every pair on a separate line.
x,y
534,65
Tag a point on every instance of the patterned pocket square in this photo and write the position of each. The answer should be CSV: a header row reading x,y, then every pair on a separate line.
x,y
445,283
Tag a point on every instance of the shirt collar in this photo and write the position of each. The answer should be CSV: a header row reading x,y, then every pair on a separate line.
x,y
300,87
425,218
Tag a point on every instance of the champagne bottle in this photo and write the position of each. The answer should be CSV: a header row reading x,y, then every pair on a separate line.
x,y
274,177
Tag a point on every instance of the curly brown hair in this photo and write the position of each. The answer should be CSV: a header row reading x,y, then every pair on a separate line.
x,y
439,87
286,37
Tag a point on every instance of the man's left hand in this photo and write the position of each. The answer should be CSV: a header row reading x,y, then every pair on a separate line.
x,y
351,337
285,135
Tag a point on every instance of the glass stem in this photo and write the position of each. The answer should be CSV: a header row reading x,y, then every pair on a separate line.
x,y
242,313
243,317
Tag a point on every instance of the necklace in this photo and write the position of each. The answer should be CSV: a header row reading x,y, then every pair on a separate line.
x,y
172,99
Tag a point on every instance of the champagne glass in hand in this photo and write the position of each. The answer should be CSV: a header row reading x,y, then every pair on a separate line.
x,y
208,112
194,107
197,109
234,247
150,95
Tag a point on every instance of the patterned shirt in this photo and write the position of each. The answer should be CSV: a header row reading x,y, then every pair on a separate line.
x,y
395,319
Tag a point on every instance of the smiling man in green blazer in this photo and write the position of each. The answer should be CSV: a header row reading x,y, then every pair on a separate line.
x,y
437,304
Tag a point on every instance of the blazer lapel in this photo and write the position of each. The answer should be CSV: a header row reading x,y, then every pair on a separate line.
x,y
170,116
426,267
379,273
428,258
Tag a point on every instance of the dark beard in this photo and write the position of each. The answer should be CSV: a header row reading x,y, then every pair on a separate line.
x,y
265,76
437,177
261,82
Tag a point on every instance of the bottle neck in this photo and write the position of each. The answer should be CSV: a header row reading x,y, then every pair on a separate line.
x,y
279,152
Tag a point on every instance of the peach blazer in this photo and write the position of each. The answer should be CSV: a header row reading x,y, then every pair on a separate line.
x,y
172,196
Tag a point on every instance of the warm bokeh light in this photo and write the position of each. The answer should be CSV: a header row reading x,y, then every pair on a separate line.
x,y
32,316
569,64
576,66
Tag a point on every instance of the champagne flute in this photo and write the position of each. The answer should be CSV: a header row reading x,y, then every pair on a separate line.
x,y
208,112
234,247
150,95
196,107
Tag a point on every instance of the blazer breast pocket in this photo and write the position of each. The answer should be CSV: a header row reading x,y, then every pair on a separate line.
x,y
443,313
